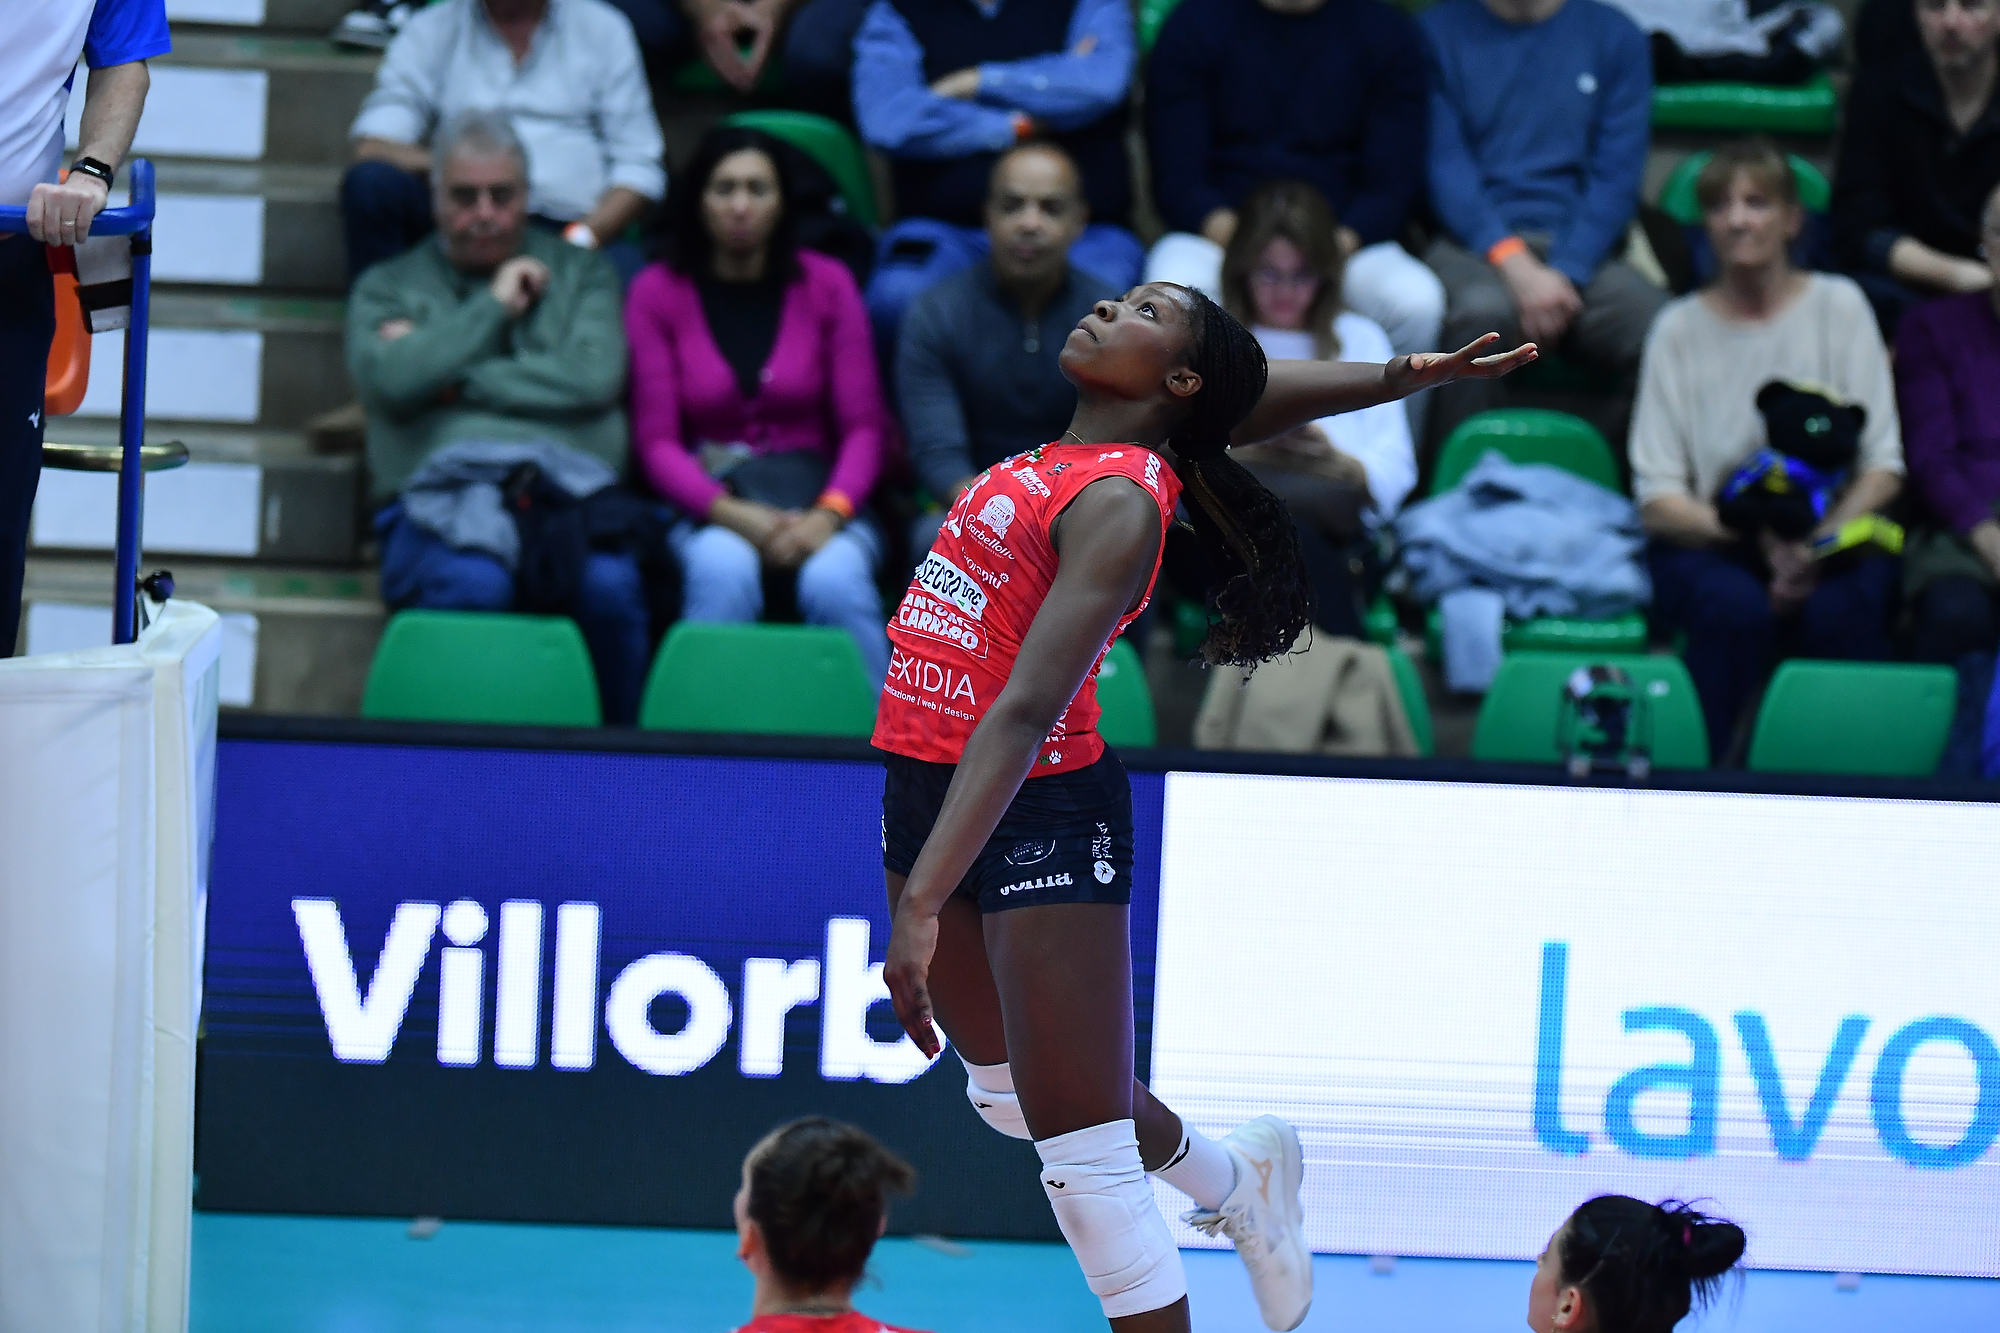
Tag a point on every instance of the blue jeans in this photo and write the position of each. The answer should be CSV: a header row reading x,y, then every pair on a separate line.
x,y
916,252
723,580
420,570
1734,638
27,327
385,210
1956,622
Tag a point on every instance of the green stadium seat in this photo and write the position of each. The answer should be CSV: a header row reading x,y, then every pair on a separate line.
x,y
1190,619
1536,435
482,666
1558,634
1863,719
1677,195
1561,634
1748,108
1126,698
1152,17
1410,688
1380,621
784,680
1519,721
1527,435
826,142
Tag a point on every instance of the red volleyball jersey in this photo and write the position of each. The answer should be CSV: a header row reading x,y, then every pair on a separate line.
x,y
954,638
852,1322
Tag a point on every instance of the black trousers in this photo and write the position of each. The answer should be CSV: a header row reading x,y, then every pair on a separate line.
x,y
27,327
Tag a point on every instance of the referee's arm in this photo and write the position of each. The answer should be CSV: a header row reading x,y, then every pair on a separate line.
x,y
112,100
122,36
113,97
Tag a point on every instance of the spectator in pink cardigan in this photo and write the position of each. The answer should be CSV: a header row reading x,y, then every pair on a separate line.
x,y
757,408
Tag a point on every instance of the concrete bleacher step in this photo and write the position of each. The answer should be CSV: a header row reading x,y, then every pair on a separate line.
x,y
230,358
248,224
245,494
295,640
314,17
243,96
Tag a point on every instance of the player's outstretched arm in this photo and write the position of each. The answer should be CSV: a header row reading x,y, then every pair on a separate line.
x,y
1302,391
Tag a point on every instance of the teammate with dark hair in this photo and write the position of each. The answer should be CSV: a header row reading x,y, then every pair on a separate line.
x,y
1622,1265
1007,826
814,1200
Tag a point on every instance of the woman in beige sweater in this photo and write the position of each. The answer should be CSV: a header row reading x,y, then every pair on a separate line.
x,y
1745,599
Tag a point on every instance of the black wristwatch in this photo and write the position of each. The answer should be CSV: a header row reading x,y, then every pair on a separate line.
x,y
90,166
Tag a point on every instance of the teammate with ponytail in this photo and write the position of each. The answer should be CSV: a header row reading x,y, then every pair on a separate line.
x,y
814,1200
1622,1265
1007,825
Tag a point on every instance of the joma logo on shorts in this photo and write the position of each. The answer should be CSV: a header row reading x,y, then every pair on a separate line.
x,y
1061,881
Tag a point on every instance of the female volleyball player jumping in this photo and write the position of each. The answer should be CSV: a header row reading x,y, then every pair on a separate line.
x,y
1007,826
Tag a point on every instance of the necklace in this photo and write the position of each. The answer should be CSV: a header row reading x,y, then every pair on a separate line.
x,y
1072,435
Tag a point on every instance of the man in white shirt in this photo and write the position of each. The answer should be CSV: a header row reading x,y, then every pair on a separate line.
x,y
568,75
38,60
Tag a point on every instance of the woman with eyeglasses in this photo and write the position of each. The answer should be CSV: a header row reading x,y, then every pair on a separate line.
x,y
1281,276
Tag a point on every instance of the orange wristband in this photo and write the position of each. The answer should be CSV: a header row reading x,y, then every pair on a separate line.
x,y
1505,249
1024,126
835,502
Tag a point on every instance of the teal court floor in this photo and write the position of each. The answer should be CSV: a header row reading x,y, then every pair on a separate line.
x,y
264,1274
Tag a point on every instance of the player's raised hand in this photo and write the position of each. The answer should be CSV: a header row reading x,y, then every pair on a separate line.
x,y
913,937
1427,370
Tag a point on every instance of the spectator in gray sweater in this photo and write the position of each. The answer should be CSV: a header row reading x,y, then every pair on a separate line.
x,y
976,368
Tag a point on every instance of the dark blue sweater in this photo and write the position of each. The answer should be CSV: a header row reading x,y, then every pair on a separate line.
x,y
1237,95
1539,127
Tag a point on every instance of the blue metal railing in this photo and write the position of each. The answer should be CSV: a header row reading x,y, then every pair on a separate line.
x,y
135,219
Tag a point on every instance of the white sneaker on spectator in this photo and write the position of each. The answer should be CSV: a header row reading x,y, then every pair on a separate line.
x,y
1263,1218
373,25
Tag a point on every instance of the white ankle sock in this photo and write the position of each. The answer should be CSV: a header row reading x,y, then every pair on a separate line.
x,y
1200,1168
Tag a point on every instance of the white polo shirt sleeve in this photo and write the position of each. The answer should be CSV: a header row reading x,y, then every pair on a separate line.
x,y
406,102
38,64
633,146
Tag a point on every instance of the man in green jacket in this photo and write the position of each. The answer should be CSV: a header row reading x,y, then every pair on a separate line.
x,y
492,345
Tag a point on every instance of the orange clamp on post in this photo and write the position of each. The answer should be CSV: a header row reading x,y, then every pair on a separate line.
x,y
69,354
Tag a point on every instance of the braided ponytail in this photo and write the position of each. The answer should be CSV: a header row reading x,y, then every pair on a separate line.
x,y
1259,593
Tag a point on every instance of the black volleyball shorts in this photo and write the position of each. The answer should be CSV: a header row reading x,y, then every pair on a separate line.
x,y
1066,838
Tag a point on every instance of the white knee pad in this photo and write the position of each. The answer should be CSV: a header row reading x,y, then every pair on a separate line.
x,y
990,1089
1104,1205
